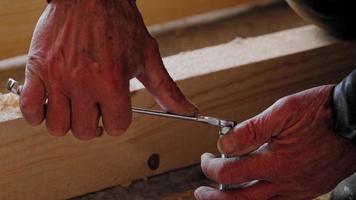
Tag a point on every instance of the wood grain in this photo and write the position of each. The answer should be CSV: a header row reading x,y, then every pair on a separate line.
x,y
18,17
35,165
160,11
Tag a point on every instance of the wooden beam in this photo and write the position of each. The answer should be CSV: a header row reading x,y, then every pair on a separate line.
x,y
160,11
235,80
18,17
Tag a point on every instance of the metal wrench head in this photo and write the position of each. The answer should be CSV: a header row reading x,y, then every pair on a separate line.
x,y
216,122
13,86
209,120
226,126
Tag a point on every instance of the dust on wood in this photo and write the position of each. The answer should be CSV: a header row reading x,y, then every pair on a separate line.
x,y
9,108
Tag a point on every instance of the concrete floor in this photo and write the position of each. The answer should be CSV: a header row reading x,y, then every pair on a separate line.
x,y
258,21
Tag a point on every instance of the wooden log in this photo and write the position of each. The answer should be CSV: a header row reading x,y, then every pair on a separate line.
x,y
18,17
235,80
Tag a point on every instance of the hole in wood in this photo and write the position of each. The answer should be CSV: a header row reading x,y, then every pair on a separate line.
x,y
153,161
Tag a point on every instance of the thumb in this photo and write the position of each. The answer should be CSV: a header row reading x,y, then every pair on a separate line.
x,y
253,133
159,83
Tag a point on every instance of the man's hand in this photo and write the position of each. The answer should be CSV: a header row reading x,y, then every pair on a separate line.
x,y
304,158
82,56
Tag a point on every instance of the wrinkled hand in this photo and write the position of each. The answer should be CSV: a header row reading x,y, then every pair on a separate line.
x,y
82,56
304,158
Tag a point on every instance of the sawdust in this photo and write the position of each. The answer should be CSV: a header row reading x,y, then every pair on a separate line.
x,y
9,107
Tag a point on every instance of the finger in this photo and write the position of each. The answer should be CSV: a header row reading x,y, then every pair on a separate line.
x,y
58,114
251,134
258,191
235,170
116,111
85,118
159,83
32,99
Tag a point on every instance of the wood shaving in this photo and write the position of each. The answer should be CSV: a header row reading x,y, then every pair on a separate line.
x,y
9,107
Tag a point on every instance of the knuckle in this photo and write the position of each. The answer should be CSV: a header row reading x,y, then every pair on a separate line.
x,y
34,61
251,126
282,101
110,88
113,84
289,102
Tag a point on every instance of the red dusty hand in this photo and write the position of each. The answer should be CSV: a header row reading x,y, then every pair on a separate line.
x,y
82,56
304,158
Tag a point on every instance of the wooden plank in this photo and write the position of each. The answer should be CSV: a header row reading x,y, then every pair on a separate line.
x,y
17,21
248,76
18,17
160,11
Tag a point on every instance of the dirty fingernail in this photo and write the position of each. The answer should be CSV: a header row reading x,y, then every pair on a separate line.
x,y
196,195
202,192
116,133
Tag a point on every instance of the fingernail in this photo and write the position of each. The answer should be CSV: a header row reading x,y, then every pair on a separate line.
x,y
196,194
84,137
207,156
226,145
116,133
203,192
